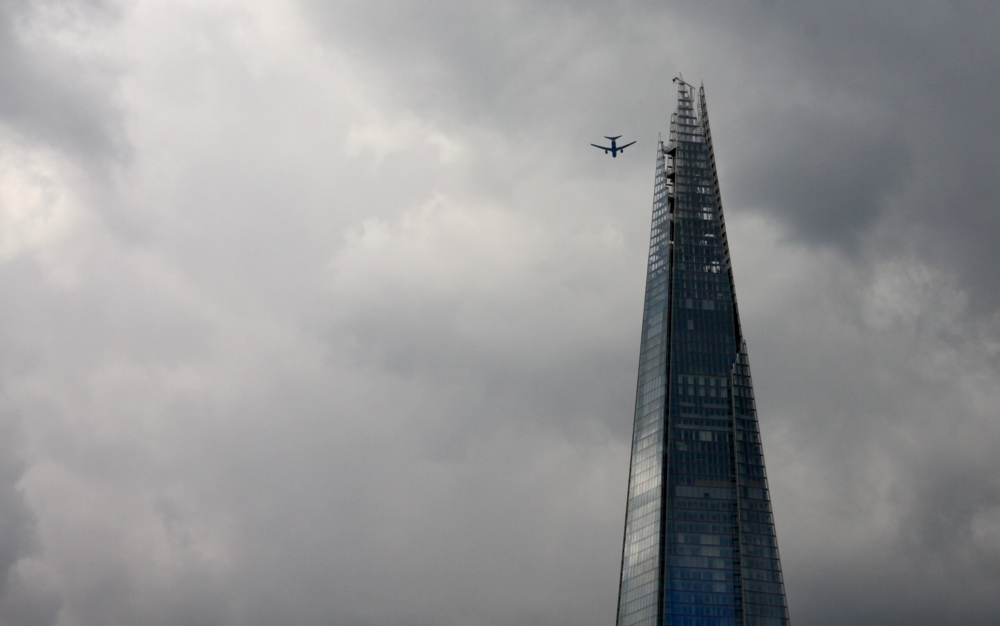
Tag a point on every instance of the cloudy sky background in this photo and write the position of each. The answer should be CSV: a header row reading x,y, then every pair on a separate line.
x,y
327,313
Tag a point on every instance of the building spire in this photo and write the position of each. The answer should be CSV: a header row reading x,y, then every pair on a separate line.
x,y
699,546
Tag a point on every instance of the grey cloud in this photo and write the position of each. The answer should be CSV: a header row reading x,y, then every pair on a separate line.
x,y
950,495
22,603
17,521
911,87
25,605
872,121
902,435
48,94
248,417
829,177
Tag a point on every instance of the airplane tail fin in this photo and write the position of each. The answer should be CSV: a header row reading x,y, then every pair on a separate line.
x,y
613,138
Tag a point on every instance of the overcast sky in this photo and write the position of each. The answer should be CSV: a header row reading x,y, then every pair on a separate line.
x,y
326,313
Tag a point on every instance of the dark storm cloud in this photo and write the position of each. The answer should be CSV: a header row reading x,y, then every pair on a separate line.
x,y
863,118
829,178
857,127
937,571
373,361
899,132
523,67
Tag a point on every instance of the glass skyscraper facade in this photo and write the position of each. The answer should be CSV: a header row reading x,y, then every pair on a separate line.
x,y
700,547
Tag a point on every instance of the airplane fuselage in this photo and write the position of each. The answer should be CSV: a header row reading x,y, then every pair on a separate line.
x,y
614,149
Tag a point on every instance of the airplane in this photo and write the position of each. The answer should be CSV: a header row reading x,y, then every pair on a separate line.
x,y
614,149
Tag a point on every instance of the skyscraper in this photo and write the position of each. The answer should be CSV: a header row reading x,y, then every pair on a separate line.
x,y
699,546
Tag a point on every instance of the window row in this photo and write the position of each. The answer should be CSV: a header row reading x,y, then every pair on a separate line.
x,y
707,599
678,608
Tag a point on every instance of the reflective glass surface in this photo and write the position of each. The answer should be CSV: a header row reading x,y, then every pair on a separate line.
x,y
699,546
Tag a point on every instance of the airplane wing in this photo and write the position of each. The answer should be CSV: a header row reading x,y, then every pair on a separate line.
x,y
625,146
603,147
